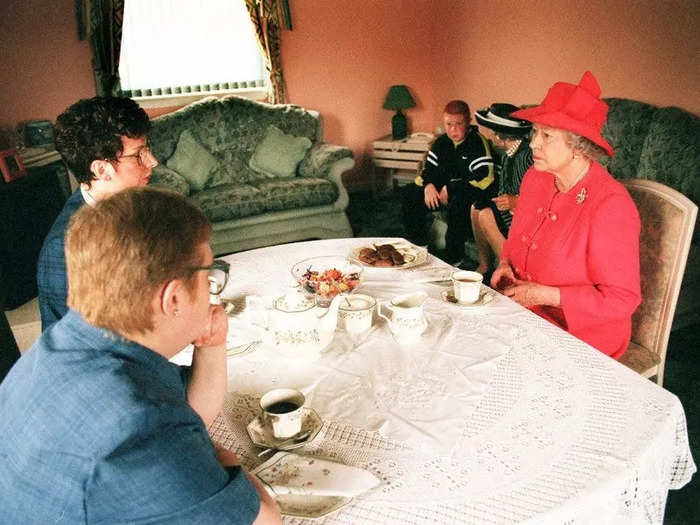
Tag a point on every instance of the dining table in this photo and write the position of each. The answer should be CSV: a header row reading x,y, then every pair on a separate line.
x,y
493,415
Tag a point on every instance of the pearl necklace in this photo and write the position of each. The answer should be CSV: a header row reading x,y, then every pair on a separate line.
x,y
581,174
511,151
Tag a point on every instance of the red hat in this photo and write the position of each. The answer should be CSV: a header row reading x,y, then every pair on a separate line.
x,y
573,108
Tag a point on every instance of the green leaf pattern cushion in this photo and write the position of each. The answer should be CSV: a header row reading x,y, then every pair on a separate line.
x,y
192,161
297,192
279,154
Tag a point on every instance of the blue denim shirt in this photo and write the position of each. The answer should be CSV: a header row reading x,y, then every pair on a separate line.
x,y
51,276
96,428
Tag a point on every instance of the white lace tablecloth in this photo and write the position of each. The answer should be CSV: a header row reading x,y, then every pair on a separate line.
x,y
496,416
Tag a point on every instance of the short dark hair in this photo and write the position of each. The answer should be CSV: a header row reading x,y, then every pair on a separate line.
x,y
458,107
91,129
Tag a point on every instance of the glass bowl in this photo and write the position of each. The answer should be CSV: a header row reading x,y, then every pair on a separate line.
x,y
327,276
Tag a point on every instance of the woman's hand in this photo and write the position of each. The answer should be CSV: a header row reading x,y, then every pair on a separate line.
x,y
503,275
432,198
528,293
506,201
216,330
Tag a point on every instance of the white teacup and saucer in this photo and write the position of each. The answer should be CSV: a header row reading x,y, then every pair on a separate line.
x,y
485,297
276,429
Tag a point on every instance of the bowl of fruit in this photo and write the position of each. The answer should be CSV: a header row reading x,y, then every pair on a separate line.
x,y
327,276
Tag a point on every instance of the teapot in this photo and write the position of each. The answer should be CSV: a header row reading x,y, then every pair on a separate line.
x,y
407,321
297,327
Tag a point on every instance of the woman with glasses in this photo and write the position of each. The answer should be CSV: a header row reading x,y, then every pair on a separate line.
x,y
572,253
98,425
103,142
491,224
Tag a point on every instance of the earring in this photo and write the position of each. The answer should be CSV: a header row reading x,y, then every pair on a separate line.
x,y
176,312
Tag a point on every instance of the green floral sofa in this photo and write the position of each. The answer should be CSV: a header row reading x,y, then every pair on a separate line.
x,y
205,151
660,144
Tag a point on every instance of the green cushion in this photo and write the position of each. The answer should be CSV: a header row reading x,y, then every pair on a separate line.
x,y
279,154
192,161
298,192
229,201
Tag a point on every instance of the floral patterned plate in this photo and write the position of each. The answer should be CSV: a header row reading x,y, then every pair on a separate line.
x,y
261,434
307,506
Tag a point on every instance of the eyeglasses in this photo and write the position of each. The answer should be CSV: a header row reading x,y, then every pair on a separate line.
x,y
142,156
218,275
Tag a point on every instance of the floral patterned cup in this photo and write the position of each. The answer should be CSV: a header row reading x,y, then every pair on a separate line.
x,y
356,313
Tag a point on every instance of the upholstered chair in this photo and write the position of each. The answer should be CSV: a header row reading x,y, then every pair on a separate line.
x,y
668,219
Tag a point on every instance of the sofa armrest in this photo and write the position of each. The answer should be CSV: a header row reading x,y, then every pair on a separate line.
x,y
319,160
164,177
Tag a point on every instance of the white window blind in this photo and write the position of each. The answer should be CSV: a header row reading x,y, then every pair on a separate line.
x,y
184,46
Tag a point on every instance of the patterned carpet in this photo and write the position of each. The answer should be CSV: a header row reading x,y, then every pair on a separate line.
x,y
382,217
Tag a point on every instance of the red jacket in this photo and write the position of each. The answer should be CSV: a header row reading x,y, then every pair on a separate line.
x,y
586,243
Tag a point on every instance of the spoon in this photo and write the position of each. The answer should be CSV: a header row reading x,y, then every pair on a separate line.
x,y
291,441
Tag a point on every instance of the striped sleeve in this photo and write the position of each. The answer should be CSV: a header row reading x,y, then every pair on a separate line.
x,y
430,168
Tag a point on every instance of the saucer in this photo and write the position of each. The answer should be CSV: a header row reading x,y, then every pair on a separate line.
x,y
485,297
261,434
309,506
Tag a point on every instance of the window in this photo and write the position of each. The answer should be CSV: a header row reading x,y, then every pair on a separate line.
x,y
182,49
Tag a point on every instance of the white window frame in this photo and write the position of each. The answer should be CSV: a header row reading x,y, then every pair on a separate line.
x,y
180,99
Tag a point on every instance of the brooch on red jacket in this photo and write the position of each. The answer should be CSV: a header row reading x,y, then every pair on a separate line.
x,y
581,196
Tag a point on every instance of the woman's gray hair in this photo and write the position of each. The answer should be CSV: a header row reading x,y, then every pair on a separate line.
x,y
584,146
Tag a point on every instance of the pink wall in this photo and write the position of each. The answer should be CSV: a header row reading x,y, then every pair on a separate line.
x,y
647,50
342,57
44,67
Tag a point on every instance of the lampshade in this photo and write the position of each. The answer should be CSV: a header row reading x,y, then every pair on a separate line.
x,y
399,98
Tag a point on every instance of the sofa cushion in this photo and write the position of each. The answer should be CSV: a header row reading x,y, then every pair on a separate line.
x,y
279,154
626,127
163,177
291,193
229,201
192,161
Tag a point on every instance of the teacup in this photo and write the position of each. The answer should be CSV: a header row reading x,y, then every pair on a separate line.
x,y
356,313
467,286
282,410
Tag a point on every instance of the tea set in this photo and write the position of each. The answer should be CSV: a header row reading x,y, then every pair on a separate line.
x,y
295,325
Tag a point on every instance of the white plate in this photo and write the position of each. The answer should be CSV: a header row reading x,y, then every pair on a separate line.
x,y
485,297
261,434
413,255
311,507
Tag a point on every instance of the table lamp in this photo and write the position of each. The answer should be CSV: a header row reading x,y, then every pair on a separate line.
x,y
399,98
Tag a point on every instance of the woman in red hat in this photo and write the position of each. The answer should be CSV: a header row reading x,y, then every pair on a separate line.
x,y
572,253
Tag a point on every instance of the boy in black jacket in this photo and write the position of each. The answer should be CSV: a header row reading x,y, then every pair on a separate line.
x,y
458,172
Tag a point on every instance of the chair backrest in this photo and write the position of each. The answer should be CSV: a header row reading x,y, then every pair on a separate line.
x,y
668,219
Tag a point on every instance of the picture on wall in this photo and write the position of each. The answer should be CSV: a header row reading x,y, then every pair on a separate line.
x,y
11,165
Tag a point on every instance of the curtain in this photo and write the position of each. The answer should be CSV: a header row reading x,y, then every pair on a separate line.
x,y
266,16
105,34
